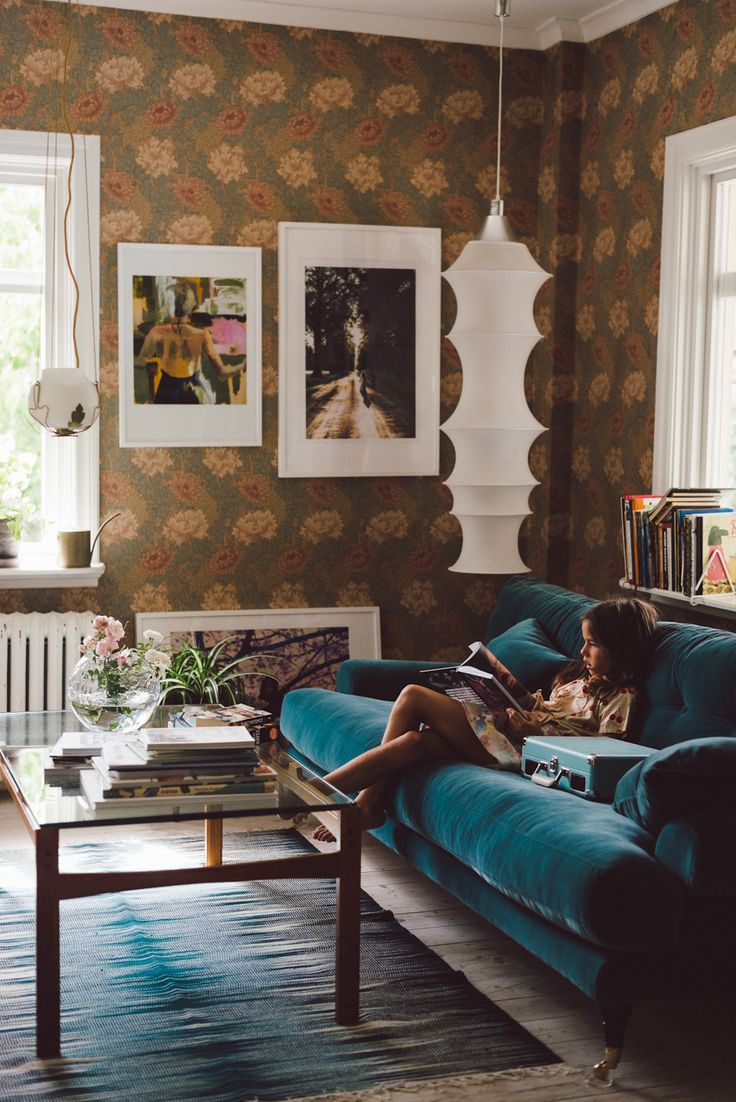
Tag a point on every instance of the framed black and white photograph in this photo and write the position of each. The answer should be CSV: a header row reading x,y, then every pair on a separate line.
x,y
190,345
359,349
282,649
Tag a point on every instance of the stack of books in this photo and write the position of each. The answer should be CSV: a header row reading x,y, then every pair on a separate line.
x,y
683,541
179,770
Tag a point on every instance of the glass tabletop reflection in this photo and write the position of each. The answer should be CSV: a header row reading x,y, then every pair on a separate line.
x,y
27,737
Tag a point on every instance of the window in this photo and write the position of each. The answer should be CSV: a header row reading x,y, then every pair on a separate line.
x,y
695,422
36,309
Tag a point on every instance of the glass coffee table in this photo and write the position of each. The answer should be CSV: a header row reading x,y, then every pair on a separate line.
x,y
25,738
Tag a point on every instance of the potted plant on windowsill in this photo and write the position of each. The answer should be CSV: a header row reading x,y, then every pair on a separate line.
x,y
17,510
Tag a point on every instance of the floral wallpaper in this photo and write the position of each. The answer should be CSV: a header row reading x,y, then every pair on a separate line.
x,y
667,73
214,131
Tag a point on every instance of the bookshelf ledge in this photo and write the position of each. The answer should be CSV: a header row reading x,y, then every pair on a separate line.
x,y
720,604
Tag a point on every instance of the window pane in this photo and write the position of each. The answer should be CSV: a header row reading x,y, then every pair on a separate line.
x,y
21,226
20,323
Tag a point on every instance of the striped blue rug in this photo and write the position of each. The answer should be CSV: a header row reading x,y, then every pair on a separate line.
x,y
226,992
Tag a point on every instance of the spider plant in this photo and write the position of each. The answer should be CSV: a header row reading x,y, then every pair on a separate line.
x,y
205,676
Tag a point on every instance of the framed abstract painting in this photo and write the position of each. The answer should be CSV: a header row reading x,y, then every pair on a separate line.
x,y
290,648
189,320
359,350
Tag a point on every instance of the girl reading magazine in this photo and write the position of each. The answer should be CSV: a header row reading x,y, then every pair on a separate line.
x,y
593,696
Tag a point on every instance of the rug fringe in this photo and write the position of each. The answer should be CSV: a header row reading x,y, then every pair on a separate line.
x,y
444,1088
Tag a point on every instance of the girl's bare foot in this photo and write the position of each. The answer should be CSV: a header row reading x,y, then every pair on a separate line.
x,y
372,816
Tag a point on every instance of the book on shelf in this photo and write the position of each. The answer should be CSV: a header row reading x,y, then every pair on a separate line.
x,y
713,553
95,798
634,510
661,544
683,498
481,679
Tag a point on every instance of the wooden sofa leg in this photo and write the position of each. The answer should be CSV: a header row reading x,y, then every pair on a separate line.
x,y
615,1019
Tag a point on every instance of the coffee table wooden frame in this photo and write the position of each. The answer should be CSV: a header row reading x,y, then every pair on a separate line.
x,y
53,886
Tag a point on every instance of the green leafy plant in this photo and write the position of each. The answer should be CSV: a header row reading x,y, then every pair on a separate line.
x,y
205,676
17,473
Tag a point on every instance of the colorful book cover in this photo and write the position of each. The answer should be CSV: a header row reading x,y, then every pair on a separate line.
x,y
719,554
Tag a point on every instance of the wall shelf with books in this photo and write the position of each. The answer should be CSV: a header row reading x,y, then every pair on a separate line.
x,y
680,547
718,604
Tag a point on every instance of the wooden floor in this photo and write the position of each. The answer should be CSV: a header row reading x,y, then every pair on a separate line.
x,y
675,1052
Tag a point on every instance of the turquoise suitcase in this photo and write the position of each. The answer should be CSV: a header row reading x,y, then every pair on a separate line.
x,y
589,766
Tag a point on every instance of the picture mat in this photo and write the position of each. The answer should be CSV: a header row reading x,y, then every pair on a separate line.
x,y
329,636
189,426
311,244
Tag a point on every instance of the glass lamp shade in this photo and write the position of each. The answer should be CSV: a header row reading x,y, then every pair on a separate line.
x,y
64,401
495,280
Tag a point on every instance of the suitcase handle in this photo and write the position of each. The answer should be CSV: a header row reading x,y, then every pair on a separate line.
x,y
547,780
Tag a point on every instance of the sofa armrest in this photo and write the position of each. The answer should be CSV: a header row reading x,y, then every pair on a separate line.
x,y
700,850
381,678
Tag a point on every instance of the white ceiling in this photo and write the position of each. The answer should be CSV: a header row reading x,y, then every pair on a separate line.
x,y
532,24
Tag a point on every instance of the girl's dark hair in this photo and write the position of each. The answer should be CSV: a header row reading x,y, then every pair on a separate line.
x,y
625,626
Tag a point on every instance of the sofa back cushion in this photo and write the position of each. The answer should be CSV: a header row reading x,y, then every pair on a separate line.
x,y
690,687
526,650
556,610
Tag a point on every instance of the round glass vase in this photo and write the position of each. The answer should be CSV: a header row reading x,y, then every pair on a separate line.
x,y
114,702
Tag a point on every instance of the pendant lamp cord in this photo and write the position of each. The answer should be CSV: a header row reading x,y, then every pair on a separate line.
x,y
500,107
67,257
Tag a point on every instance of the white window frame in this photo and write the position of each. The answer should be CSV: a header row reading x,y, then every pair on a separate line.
x,y
70,466
688,391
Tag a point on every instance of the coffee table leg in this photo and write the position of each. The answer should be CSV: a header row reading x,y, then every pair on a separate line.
x,y
48,962
213,841
347,964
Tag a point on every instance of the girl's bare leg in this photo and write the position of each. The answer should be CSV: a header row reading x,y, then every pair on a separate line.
x,y
447,736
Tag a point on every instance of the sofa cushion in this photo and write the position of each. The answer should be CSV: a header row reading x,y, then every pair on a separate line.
x,y
701,851
579,865
573,862
557,610
692,776
526,649
330,728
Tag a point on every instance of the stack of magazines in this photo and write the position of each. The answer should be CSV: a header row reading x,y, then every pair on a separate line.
x,y
179,770
259,722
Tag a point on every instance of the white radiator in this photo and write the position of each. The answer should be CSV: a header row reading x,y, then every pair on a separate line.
x,y
38,650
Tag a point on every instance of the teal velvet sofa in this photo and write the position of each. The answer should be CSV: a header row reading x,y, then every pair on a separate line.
x,y
631,901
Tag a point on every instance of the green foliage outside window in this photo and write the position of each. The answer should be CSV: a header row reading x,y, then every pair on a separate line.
x,y
21,249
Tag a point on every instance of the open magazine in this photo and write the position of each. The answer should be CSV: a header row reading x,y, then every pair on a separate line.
x,y
480,679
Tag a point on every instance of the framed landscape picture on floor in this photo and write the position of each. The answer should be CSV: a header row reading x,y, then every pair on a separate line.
x,y
190,345
359,350
296,647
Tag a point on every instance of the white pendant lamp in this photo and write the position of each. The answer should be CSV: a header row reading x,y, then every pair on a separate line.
x,y
495,280
65,400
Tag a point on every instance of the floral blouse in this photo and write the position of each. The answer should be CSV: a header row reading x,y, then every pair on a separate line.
x,y
569,711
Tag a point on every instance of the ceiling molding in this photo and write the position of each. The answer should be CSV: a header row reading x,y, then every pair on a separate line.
x,y
608,16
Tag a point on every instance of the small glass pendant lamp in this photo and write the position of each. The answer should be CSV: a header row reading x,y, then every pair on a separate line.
x,y
495,280
65,400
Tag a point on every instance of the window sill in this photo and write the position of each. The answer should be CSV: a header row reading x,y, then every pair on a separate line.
x,y
42,572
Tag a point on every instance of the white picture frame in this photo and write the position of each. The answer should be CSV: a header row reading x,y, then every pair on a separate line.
x,y
304,646
394,426
225,280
